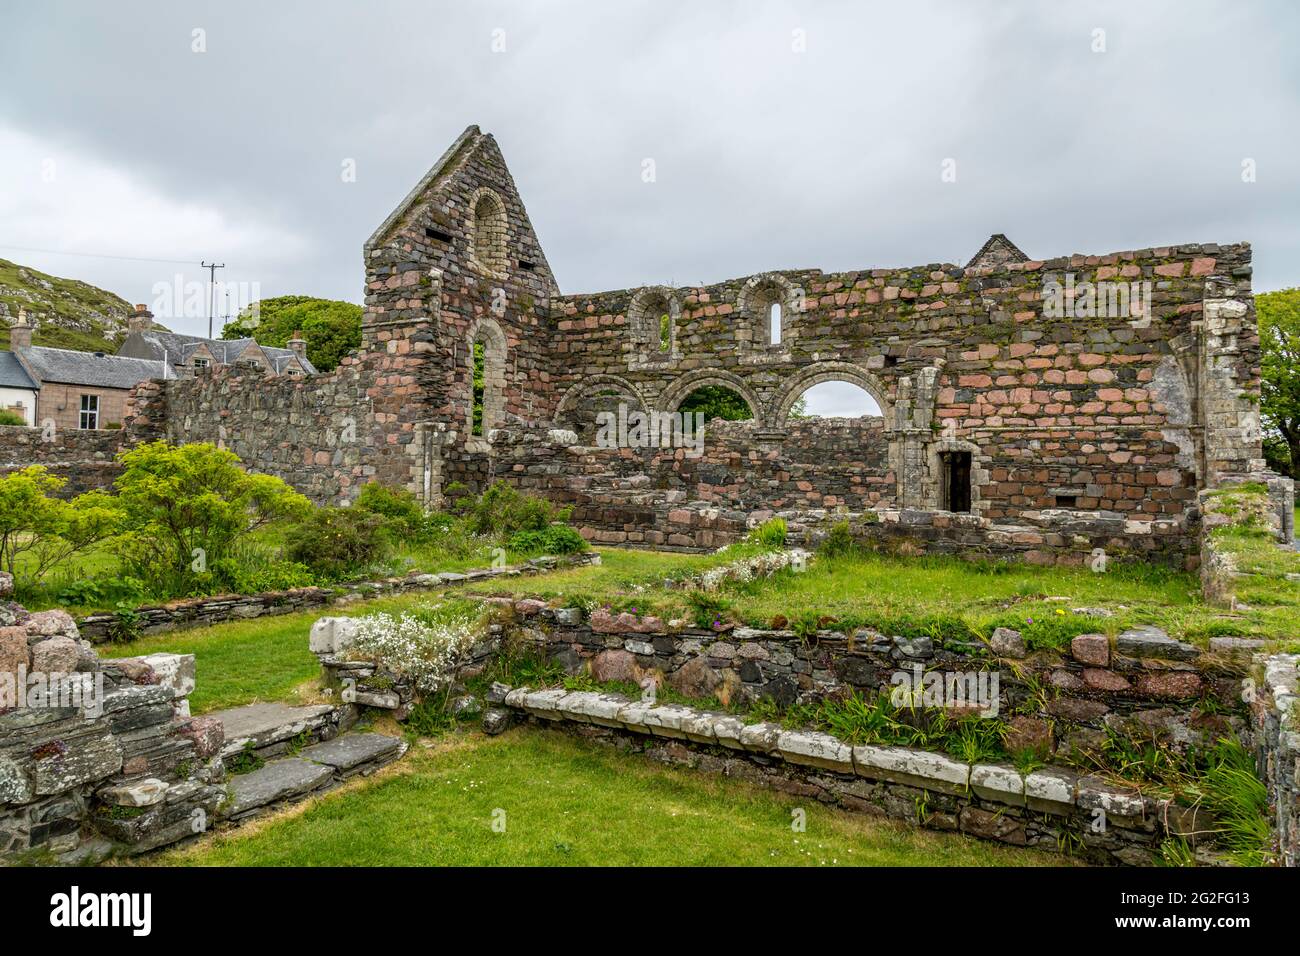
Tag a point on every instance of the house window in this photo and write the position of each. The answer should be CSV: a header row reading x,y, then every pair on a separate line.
x,y
200,364
89,417
956,480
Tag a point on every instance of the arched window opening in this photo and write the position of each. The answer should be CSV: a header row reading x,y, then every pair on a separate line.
x,y
479,387
716,401
835,400
774,323
489,235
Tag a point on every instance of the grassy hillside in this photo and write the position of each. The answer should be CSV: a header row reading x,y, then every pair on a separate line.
x,y
69,314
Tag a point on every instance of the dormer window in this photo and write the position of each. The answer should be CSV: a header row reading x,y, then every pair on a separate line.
x,y
201,363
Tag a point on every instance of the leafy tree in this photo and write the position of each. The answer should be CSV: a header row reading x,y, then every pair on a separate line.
x,y
331,328
1279,334
47,529
716,401
188,506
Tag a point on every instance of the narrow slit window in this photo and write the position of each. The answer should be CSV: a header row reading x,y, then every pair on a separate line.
x,y
665,333
774,320
956,480
479,387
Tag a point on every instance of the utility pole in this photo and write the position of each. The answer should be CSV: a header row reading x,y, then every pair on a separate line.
x,y
212,268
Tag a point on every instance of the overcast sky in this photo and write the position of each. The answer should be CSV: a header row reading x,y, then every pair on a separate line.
x,y
783,134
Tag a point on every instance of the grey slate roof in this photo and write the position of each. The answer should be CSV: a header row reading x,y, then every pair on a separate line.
x,y
12,373
178,348
90,368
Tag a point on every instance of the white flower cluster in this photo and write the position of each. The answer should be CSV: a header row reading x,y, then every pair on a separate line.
x,y
423,652
747,569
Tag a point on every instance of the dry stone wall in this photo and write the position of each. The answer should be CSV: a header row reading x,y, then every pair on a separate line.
x,y
97,756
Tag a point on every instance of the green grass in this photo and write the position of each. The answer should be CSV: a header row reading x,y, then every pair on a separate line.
x,y
942,597
573,803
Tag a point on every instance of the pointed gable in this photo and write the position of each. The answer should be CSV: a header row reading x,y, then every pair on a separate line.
x,y
997,251
465,214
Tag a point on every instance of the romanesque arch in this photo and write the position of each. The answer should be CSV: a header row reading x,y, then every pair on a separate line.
x,y
487,333
583,401
820,372
645,312
487,233
673,395
754,303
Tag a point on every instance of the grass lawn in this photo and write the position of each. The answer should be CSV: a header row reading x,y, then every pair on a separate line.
x,y
240,662
570,802
896,594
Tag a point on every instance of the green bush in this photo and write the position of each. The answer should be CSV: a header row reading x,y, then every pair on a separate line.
x,y
188,508
255,573
399,508
557,539
11,418
839,541
339,544
504,510
770,534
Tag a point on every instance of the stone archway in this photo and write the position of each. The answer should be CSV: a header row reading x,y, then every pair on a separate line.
x,y
827,372
674,394
583,401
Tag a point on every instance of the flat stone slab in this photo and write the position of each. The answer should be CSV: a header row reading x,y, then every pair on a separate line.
x,y
352,750
264,724
278,780
1148,641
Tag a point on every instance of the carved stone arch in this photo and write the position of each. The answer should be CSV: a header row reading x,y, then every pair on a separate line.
x,y
754,303
582,402
487,332
674,394
820,372
644,313
487,233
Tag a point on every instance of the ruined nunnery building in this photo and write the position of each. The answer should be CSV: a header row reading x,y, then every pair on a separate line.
x,y
1032,409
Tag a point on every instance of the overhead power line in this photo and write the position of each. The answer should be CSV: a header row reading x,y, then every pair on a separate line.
x,y
97,255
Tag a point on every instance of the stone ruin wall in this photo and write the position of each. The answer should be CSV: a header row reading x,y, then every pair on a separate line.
x,y
1113,422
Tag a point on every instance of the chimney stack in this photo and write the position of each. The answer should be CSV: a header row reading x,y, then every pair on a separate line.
x,y
141,320
20,333
298,344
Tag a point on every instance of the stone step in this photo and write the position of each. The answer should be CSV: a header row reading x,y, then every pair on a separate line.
x,y
289,778
315,769
351,754
268,729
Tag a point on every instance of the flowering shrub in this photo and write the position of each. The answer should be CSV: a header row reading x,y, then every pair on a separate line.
x,y
748,569
424,649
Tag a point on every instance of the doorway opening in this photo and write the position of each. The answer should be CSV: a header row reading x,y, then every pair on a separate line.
x,y
956,480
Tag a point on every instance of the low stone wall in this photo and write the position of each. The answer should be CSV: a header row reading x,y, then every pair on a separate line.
x,y
202,611
1049,809
1275,716
85,458
97,756
1143,684
1050,537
